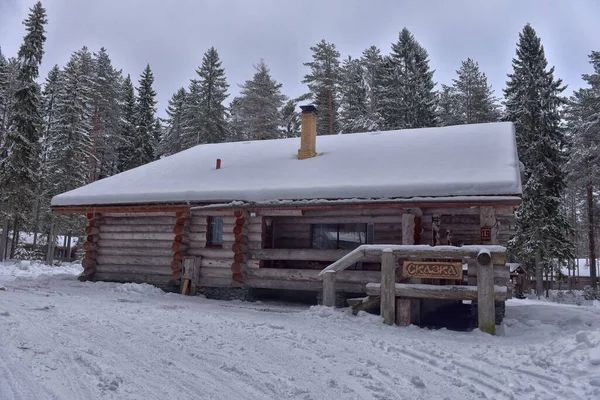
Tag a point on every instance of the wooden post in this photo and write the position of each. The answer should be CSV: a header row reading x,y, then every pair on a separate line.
x,y
403,317
486,311
329,289
408,238
388,282
487,218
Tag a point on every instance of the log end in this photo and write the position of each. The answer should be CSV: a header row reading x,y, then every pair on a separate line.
x,y
484,257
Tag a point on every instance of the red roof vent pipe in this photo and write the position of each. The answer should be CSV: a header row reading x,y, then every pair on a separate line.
x,y
218,163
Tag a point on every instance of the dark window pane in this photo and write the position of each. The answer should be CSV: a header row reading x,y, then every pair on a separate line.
x,y
324,236
352,235
214,234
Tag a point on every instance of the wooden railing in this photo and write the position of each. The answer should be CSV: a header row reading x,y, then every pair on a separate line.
x,y
485,294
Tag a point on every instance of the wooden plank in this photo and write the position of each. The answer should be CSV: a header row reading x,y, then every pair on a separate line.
x,y
211,213
403,317
472,281
140,221
432,270
424,291
134,260
388,278
488,219
150,244
340,212
135,269
329,289
255,237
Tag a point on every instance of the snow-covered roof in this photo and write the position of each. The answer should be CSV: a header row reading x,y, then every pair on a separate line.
x,y
464,160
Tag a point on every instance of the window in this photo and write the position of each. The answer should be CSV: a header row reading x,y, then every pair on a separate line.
x,y
214,232
341,236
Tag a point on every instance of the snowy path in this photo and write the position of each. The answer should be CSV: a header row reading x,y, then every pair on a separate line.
x,y
62,339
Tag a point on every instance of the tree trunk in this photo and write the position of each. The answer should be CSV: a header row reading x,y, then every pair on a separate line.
x,y
331,111
591,235
50,249
68,247
4,239
15,238
539,275
36,223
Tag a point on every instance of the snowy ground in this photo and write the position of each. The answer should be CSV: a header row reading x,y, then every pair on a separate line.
x,y
63,339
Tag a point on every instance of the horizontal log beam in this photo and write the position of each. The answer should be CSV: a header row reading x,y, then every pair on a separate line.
x,y
140,221
302,285
148,244
297,254
135,260
104,228
219,254
140,214
137,236
152,279
362,277
211,272
500,271
135,269
212,263
448,292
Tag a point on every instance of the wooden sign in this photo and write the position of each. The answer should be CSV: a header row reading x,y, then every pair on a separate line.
x,y
432,270
486,234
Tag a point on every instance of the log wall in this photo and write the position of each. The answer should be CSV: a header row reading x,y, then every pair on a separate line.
x,y
135,247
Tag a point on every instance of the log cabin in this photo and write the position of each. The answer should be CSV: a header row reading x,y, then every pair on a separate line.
x,y
273,214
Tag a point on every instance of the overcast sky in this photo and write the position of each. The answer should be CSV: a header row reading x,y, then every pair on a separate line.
x,y
173,35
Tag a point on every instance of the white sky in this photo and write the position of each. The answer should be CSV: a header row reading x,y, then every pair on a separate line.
x,y
173,35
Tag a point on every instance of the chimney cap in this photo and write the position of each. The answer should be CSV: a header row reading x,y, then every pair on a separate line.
x,y
309,108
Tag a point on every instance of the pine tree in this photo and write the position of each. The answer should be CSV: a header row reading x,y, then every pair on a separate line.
x,y
144,140
4,84
409,99
69,135
584,162
20,154
211,122
107,117
470,100
171,140
260,105
533,103
324,83
127,127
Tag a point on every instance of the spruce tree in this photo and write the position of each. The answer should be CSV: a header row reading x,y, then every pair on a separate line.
x,y
144,139
472,99
211,121
291,119
107,116
127,127
260,105
324,84
69,135
171,140
20,153
353,114
374,75
7,98
533,103
191,118
409,98
4,81
583,115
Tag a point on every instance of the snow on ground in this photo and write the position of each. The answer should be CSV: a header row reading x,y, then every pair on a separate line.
x,y
64,339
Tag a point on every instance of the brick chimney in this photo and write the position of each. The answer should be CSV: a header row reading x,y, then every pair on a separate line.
x,y
308,140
